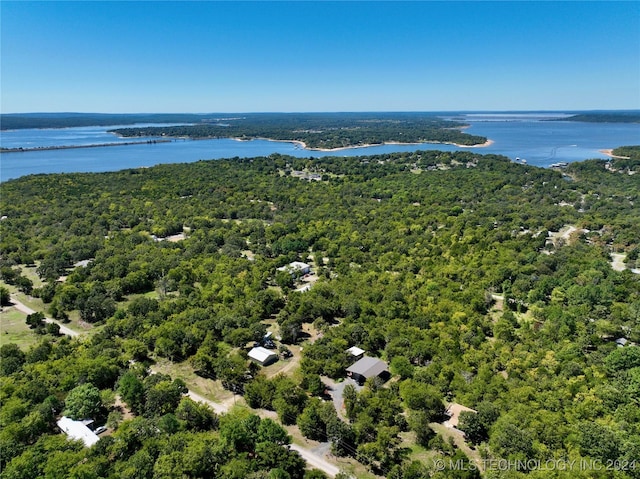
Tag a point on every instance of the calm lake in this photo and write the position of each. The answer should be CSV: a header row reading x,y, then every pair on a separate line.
x,y
541,143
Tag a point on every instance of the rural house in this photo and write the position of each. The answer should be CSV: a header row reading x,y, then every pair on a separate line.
x,y
366,368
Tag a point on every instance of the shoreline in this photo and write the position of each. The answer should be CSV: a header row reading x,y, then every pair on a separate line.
x,y
609,153
303,145
483,145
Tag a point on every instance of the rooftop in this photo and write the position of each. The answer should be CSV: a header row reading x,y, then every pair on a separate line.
x,y
295,266
368,367
261,354
355,351
78,430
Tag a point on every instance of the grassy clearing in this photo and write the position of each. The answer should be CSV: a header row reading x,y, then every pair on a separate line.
x,y
29,301
149,295
417,452
82,327
14,329
312,333
299,439
30,272
285,366
11,288
207,388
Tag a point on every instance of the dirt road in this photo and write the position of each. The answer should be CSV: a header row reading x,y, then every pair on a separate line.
x,y
316,461
312,459
219,408
27,310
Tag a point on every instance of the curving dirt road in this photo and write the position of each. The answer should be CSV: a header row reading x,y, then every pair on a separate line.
x,y
218,407
312,459
27,310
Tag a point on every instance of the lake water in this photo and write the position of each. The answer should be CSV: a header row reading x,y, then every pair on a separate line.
x,y
541,143
85,135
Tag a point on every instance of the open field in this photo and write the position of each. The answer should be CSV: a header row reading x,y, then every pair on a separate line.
x,y
30,272
207,388
14,329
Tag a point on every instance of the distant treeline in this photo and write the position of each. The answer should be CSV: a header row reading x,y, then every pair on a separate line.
x,y
18,121
605,117
326,131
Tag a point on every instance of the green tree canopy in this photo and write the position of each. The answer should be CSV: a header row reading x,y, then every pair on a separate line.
x,y
83,402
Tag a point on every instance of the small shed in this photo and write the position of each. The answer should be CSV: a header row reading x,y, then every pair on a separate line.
x,y
263,356
366,368
78,430
356,352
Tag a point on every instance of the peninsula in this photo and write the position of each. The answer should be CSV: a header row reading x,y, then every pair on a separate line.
x,y
326,132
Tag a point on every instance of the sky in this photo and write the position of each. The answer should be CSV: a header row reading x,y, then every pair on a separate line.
x,y
200,57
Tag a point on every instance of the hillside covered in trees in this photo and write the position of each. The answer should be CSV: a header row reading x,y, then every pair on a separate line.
x,y
480,282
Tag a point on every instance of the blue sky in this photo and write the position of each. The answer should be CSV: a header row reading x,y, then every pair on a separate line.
x,y
319,56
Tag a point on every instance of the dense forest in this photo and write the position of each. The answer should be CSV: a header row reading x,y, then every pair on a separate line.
x,y
323,131
504,288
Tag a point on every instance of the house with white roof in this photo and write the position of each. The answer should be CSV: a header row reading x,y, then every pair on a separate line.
x,y
78,430
296,268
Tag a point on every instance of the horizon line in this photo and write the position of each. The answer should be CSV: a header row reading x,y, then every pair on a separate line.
x,y
591,110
